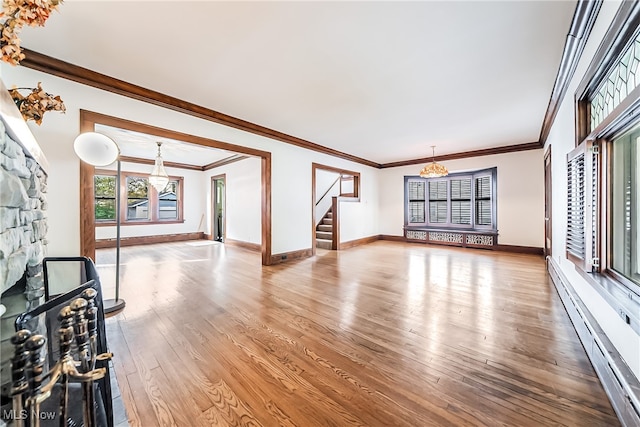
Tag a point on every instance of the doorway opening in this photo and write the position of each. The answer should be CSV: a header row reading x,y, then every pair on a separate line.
x,y
218,216
329,187
548,185
89,121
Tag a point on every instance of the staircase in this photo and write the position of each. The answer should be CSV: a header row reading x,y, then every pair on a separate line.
x,y
324,231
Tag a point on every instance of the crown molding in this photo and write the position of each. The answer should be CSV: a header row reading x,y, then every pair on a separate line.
x,y
466,154
225,161
47,64
56,67
142,161
583,19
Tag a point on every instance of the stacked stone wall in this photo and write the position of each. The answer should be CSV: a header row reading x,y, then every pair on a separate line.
x,y
23,222
23,230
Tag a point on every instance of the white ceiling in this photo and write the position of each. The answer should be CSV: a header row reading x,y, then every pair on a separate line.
x,y
379,80
140,145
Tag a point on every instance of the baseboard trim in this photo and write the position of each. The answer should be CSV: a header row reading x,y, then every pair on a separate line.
x,y
620,384
520,249
148,240
392,238
254,247
291,256
207,236
358,242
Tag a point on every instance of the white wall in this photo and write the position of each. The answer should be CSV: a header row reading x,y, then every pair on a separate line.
x,y
324,180
243,199
291,165
520,195
356,221
562,140
193,212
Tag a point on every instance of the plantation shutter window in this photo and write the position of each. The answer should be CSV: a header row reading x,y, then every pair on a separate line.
x,y
416,203
483,200
438,201
461,201
458,201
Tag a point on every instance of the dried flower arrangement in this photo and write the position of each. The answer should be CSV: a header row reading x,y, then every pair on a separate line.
x,y
14,15
36,103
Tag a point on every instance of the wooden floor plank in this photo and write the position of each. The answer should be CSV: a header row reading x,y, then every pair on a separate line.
x,y
381,334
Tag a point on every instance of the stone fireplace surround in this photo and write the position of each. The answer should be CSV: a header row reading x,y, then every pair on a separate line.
x,y
23,222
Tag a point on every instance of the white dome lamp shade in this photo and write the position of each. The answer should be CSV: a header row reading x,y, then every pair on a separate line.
x,y
96,149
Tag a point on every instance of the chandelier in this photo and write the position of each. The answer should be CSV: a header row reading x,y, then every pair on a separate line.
x,y
433,169
159,178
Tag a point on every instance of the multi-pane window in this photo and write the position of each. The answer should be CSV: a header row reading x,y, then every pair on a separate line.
x,y
104,187
603,172
168,201
621,80
459,200
140,202
137,198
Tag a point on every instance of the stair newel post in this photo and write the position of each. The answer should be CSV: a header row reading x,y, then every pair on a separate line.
x,y
335,232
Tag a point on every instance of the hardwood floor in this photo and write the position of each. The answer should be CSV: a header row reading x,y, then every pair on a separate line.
x,y
381,334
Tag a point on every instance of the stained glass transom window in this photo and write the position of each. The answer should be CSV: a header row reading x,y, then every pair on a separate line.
x,y
622,79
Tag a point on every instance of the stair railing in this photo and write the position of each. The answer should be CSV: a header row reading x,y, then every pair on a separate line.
x,y
324,203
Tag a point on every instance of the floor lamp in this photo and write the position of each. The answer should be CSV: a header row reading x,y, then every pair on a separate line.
x,y
97,149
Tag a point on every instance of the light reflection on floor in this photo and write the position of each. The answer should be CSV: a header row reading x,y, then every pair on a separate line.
x,y
140,267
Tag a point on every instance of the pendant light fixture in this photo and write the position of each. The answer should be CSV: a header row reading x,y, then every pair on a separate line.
x,y
433,169
159,178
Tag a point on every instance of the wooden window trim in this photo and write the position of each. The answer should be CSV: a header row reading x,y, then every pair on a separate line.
x,y
88,122
622,119
153,201
622,31
427,225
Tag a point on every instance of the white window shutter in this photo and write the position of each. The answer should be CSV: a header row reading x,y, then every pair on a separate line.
x,y
582,203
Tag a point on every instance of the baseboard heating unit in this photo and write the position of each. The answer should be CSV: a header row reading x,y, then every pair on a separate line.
x,y
622,387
